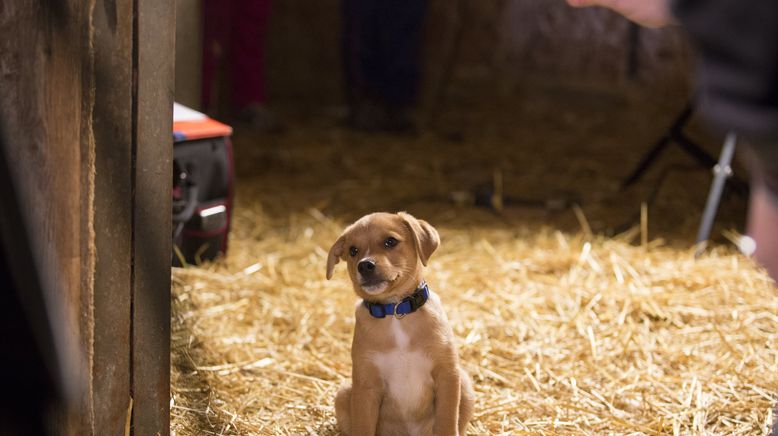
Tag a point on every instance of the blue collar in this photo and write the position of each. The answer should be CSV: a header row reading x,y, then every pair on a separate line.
x,y
407,305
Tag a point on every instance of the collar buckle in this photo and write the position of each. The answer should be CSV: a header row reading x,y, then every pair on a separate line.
x,y
398,315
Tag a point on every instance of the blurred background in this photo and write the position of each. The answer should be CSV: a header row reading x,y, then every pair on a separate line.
x,y
516,128
559,103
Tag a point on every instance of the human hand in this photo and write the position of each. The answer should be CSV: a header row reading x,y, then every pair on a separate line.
x,y
648,13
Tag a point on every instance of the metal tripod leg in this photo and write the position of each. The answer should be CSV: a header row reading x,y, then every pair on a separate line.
x,y
673,133
721,172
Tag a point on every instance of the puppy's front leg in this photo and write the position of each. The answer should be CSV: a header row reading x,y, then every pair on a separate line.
x,y
447,396
365,402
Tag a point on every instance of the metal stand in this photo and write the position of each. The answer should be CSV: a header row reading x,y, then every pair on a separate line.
x,y
673,134
676,135
721,172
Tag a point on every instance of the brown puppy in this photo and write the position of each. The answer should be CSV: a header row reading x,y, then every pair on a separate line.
x,y
406,374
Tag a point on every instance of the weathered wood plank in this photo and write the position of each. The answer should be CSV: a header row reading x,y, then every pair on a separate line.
x,y
86,102
112,125
155,48
45,105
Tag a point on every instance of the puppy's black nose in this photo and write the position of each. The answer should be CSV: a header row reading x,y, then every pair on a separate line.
x,y
366,267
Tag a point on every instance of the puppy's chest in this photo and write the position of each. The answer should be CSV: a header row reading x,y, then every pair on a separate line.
x,y
406,371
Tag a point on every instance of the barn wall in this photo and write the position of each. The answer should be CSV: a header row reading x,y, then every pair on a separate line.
x,y
501,40
49,152
86,93
189,53
541,36
303,50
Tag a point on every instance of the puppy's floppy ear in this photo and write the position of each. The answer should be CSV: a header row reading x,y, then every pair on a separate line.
x,y
425,236
336,252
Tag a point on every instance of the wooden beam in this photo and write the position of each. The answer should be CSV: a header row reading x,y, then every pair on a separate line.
x,y
46,105
112,126
86,92
154,68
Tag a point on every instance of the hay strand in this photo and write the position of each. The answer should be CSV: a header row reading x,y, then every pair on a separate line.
x,y
562,331
561,334
643,225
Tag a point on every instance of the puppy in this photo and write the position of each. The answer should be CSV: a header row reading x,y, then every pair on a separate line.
x,y
406,378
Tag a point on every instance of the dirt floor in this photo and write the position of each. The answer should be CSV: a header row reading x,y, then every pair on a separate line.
x,y
564,329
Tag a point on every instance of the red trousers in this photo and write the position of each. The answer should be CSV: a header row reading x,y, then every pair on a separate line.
x,y
234,37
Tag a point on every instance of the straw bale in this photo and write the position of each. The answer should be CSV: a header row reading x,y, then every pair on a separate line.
x,y
561,333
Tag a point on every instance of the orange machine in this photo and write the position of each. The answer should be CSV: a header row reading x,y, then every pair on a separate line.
x,y
202,186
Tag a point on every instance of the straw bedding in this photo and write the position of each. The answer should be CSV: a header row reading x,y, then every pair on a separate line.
x,y
562,332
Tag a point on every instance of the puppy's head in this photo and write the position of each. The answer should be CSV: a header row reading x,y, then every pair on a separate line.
x,y
385,253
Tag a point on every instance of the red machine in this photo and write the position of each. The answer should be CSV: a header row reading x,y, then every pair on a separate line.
x,y
202,186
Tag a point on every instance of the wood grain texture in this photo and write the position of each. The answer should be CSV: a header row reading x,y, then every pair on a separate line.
x,y
86,106
45,100
112,125
155,51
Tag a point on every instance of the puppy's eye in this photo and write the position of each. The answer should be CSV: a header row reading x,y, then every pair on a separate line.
x,y
390,242
353,251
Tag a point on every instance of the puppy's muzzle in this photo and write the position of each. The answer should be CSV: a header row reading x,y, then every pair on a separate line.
x,y
369,278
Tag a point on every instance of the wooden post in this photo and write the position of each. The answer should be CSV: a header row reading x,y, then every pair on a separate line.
x,y
86,93
46,107
113,111
152,233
